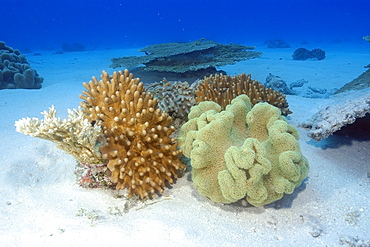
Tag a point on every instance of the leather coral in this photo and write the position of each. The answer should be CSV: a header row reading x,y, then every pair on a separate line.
x,y
242,152
224,88
142,157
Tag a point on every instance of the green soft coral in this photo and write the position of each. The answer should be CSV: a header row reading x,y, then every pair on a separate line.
x,y
242,152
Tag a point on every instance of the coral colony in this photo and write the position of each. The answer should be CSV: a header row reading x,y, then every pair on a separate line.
x,y
142,157
242,152
123,138
15,71
197,58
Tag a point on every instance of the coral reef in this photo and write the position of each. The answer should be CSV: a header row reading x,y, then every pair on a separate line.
x,y
304,54
276,43
75,135
15,71
361,82
142,156
120,137
190,57
223,88
341,110
242,152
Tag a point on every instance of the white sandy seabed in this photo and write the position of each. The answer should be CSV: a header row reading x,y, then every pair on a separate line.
x,y
41,204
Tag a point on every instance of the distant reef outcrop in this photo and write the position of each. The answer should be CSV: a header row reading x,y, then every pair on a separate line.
x,y
305,54
15,71
277,43
73,47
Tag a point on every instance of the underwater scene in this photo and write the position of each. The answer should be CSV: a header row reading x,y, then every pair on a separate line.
x,y
185,123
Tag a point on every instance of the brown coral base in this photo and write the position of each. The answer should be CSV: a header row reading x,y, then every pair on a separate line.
x,y
191,76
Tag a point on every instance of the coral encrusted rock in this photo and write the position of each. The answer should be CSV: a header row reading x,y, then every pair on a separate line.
x,y
142,156
242,152
224,88
341,110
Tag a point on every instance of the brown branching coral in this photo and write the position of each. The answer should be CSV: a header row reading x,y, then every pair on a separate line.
x,y
142,156
223,88
174,97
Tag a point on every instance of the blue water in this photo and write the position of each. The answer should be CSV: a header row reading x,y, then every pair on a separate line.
x,y
47,24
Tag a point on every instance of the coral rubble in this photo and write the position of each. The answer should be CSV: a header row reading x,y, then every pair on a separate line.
x,y
142,155
15,71
223,88
296,88
242,152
